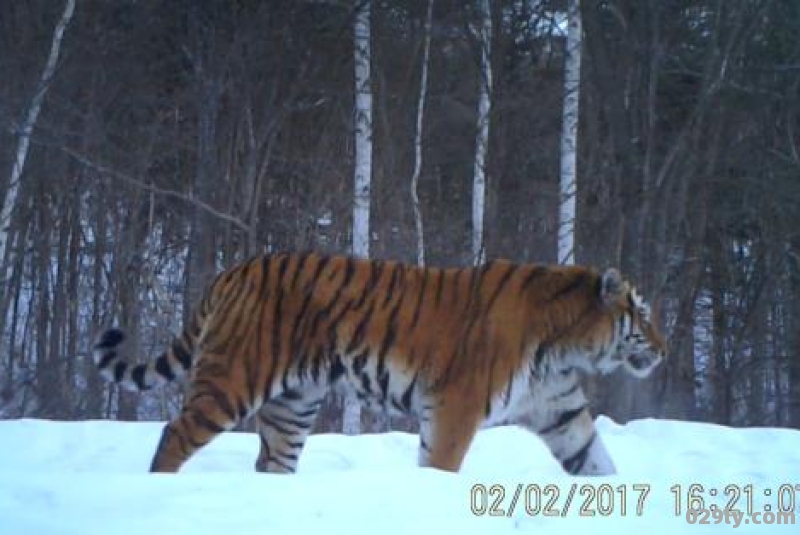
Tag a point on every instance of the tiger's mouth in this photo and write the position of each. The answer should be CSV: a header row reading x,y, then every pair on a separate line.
x,y
641,364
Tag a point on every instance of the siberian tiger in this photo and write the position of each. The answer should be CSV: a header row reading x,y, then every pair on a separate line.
x,y
458,348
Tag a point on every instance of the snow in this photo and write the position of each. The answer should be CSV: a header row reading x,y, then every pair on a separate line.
x,y
90,477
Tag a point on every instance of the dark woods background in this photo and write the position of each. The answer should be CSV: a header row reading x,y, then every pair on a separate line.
x,y
180,137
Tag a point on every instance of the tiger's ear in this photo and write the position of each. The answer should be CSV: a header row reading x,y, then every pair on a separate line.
x,y
611,286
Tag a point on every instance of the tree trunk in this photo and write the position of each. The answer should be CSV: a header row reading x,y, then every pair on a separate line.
x,y
94,383
569,136
423,88
482,138
47,379
351,419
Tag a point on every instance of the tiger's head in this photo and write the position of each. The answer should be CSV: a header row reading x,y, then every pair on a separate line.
x,y
635,342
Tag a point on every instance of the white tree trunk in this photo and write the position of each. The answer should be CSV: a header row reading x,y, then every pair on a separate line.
x,y
363,132
27,127
482,138
569,135
423,88
351,419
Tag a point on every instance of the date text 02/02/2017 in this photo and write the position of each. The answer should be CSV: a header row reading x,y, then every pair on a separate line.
x,y
551,500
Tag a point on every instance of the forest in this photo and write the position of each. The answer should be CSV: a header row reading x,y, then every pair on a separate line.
x,y
146,145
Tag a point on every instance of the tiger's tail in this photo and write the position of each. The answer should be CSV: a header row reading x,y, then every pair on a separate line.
x,y
172,364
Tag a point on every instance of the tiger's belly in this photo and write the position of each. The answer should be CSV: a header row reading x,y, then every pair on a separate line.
x,y
528,400
532,400
382,388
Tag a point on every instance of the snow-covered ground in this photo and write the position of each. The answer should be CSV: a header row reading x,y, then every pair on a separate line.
x,y
90,478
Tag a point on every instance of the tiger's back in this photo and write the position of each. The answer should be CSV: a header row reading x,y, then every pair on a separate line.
x,y
459,348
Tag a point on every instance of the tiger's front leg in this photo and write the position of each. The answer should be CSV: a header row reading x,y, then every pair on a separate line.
x,y
573,440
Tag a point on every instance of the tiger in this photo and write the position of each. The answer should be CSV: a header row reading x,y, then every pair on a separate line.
x,y
458,349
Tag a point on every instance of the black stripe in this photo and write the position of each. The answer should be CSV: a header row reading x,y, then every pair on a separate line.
x,y
575,463
283,264
291,395
106,359
503,281
301,264
405,399
375,272
289,456
360,330
391,334
307,414
415,317
242,408
336,369
455,286
509,388
119,371
488,408
206,388
269,422
359,361
204,421
262,301
181,355
576,283
564,419
439,288
323,313
396,404
574,388
476,280
282,464
277,421
349,271
163,368
383,383
277,323
137,375
392,283
110,338
298,349
534,273
333,330
538,356
366,384
322,263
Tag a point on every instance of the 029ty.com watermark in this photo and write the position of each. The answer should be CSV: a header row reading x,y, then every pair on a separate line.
x,y
737,517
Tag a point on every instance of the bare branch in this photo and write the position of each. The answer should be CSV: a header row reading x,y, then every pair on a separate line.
x,y
155,189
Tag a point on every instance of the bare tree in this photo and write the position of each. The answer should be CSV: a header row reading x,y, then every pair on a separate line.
x,y
351,419
27,126
569,135
482,137
423,88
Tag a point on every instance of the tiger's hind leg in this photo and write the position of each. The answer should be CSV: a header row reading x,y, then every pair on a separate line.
x,y
208,411
283,425
572,438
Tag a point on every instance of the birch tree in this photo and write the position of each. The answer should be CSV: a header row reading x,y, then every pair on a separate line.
x,y
569,135
482,138
423,88
351,419
27,127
